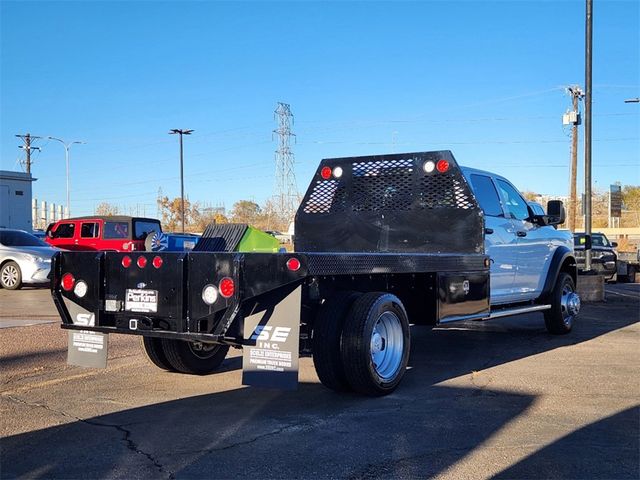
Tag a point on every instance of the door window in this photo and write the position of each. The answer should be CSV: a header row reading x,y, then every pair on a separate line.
x,y
89,230
486,194
513,201
65,230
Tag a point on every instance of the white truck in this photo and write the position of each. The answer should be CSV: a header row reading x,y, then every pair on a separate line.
x,y
380,242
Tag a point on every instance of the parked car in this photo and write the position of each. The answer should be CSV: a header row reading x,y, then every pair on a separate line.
x,y
603,256
24,259
113,233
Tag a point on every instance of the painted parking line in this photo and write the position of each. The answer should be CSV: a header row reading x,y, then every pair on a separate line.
x,y
20,322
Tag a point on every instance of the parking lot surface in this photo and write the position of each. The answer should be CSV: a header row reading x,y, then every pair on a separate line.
x,y
499,399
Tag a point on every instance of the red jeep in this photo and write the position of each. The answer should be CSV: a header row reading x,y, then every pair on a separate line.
x,y
115,233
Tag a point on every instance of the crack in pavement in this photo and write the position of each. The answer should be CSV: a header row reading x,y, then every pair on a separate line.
x,y
129,443
278,431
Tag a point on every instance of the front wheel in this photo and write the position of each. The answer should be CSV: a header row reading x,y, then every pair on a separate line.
x,y
565,305
11,276
375,344
196,358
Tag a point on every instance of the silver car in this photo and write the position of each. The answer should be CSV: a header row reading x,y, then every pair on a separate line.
x,y
24,259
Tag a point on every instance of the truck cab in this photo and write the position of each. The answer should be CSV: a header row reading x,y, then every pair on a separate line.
x,y
519,244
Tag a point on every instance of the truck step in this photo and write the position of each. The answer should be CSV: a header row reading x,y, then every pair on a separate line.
x,y
507,312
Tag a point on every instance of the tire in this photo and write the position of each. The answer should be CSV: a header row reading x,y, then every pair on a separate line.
x,y
376,321
327,333
154,352
560,317
11,276
194,357
631,274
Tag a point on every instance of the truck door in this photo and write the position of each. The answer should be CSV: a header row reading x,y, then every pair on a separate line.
x,y
533,244
500,238
64,236
89,234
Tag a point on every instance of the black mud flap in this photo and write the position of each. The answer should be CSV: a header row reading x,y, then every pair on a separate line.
x,y
86,348
272,361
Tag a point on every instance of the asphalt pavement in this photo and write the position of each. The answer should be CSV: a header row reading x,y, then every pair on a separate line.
x,y
498,399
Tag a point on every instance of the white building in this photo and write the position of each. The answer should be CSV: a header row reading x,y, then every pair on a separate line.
x,y
15,200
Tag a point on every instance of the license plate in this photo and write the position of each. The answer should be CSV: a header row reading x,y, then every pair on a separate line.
x,y
141,300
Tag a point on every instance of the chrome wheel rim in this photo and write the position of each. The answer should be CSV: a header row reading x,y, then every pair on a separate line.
x,y
570,304
10,276
387,345
203,350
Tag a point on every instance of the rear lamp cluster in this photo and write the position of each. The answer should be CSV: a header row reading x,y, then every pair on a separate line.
x,y
326,172
141,261
226,288
68,283
441,166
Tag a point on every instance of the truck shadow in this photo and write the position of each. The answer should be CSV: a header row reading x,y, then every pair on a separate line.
x,y
608,448
419,431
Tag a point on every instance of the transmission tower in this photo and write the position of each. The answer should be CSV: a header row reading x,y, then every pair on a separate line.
x,y
286,196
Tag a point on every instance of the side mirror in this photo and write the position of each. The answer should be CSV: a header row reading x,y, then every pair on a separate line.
x,y
614,244
556,212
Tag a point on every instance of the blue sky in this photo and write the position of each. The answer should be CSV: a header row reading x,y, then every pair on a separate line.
x,y
483,79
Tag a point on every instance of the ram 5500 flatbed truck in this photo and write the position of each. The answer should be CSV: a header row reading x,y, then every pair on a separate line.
x,y
380,242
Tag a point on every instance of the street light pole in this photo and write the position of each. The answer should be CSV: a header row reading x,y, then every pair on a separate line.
x,y
67,146
181,132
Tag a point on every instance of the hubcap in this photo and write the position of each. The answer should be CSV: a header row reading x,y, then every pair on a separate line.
x,y
570,304
387,345
10,276
203,350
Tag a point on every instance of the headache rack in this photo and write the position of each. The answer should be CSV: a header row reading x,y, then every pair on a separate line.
x,y
401,203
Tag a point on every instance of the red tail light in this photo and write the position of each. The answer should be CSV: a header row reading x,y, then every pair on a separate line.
x,y
227,287
68,281
142,262
325,173
126,261
157,262
293,264
442,166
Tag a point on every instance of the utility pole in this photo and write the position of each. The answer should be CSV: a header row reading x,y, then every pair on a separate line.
x,y
181,132
587,132
286,187
573,118
27,138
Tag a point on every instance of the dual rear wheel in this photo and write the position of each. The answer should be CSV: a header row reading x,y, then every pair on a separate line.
x,y
361,342
195,358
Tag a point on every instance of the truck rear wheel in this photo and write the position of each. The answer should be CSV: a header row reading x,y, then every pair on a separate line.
x,y
375,344
154,352
565,305
327,333
195,358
